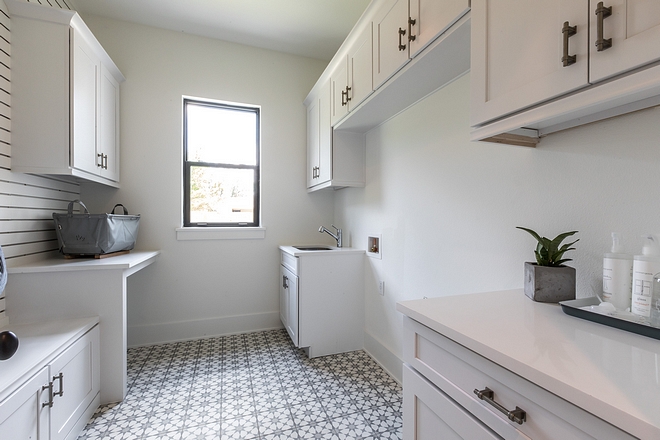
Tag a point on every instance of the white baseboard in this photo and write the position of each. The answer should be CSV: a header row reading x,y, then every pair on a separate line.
x,y
150,334
386,358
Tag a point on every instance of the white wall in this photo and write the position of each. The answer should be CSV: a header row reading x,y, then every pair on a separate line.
x,y
447,207
200,288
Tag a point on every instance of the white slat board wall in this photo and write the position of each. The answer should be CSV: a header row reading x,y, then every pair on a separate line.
x,y
27,202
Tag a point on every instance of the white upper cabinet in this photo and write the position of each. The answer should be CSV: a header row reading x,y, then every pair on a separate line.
x,y
65,90
517,51
390,39
633,30
360,81
402,28
319,138
430,18
541,67
339,91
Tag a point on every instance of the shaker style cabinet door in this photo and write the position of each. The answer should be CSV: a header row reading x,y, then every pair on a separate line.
x,y
631,31
390,40
360,78
429,414
108,126
84,87
313,131
430,18
319,138
289,303
22,414
339,91
518,50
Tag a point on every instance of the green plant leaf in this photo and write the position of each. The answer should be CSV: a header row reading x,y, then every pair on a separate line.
x,y
548,252
533,234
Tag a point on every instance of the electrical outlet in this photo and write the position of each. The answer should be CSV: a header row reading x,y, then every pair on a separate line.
x,y
381,288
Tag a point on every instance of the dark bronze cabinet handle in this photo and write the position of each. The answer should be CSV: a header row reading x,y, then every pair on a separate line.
x,y
568,32
487,395
411,23
348,98
402,46
602,13
344,93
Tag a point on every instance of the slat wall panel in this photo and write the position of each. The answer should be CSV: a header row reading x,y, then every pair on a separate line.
x,y
27,202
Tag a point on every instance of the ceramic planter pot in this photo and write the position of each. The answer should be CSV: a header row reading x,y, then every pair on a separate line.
x,y
549,284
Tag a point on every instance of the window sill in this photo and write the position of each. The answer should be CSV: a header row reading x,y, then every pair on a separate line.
x,y
210,233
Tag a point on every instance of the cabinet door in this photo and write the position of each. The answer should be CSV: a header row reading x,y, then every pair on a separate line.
x,y
284,298
109,126
634,28
75,377
325,164
516,54
429,414
360,75
390,40
339,91
84,90
290,291
313,138
22,414
430,18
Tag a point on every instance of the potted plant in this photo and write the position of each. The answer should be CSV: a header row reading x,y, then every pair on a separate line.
x,y
549,280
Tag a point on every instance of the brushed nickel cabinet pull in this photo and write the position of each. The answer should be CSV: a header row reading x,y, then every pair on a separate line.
x,y
101,163
60,378
411,23
602,13
568,32
402,46
517,415
344,93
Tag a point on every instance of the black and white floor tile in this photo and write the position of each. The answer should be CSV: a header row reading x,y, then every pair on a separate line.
x,y
251,386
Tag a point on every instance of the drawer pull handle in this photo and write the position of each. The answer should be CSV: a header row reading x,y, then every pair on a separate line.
x,y
517,415
602,13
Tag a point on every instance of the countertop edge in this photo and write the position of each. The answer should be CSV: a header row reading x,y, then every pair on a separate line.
x,y
120,262
291,250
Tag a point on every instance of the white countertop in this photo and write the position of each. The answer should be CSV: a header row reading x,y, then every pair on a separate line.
x,y
60,264
37,344
610,373
333,250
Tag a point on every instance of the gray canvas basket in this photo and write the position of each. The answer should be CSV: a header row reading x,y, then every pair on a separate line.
x,y
95,234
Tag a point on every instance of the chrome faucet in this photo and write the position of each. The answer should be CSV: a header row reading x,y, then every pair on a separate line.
x,y
336,237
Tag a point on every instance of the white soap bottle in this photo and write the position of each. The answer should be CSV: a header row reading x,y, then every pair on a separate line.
x,y
617,275
644,267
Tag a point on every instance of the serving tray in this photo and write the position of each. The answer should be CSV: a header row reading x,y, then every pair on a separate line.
x,y
627,322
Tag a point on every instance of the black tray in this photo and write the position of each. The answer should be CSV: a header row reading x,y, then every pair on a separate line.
x,y
641,327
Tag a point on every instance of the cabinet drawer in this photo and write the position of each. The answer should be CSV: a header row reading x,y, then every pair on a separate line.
x,y
290,262
458,371
430,414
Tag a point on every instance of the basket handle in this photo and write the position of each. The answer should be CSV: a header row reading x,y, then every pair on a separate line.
x,y
70,208
115,207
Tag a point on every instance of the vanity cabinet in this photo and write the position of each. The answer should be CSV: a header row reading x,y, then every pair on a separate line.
x,y
321,299
51,384
65,89
537,69
402,28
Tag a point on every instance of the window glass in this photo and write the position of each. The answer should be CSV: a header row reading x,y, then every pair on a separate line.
x,y
221,164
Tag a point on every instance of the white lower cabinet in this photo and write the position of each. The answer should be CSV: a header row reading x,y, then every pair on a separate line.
x,y
321,300
56,401
22,415
441,384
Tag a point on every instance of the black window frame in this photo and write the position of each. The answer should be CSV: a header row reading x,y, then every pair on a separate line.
x,y
256,219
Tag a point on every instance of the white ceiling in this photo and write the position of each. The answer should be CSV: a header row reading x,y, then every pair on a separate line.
x,y
312,28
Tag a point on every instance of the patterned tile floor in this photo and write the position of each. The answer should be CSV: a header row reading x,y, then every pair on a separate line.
x,y
251,386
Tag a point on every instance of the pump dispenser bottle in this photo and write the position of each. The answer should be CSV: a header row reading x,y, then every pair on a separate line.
x,y
617,275
644,267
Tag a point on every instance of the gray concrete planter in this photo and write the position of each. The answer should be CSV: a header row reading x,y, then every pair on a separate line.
x,y
549,284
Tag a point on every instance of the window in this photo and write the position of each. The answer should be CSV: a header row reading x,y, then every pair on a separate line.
x,y
220,164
